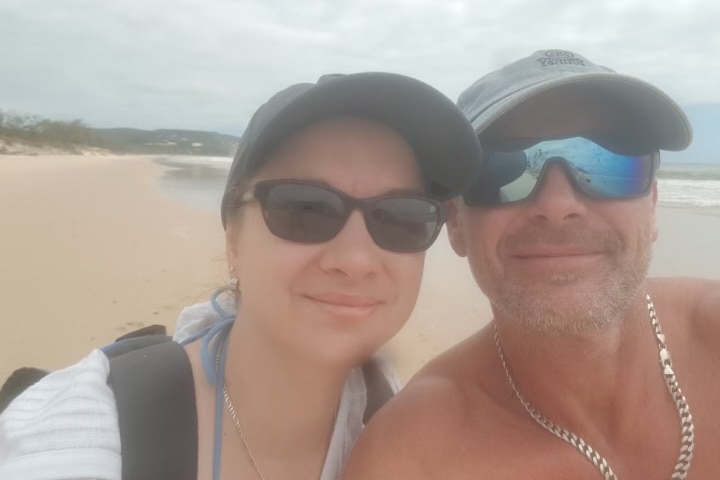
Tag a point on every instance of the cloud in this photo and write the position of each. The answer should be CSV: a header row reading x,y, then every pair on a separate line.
x,y
208,65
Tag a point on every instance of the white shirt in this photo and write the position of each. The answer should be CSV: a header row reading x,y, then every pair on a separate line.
x,y
66,426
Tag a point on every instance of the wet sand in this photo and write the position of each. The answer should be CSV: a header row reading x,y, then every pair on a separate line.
x,y
93,247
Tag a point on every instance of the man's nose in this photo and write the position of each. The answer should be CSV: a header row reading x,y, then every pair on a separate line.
x,y
557,199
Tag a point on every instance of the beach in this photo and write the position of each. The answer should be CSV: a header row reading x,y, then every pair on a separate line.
x,y
91,249
95,246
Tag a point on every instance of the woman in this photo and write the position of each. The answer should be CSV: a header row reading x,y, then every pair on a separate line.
x,y
332,198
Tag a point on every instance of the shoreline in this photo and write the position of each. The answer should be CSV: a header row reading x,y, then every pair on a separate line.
x,y
95,246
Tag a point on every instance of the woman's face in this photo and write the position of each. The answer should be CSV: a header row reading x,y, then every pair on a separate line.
x,y
340,300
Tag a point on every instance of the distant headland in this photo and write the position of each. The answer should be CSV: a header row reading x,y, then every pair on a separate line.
x,y
22,134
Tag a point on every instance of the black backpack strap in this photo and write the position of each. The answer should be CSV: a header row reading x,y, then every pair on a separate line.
x,y
155,393
377,386
18,382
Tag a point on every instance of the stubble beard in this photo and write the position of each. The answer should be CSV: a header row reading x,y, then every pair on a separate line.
x,y
564,303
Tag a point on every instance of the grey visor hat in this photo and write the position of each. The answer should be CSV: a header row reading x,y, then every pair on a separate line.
x,y
658,118
446,147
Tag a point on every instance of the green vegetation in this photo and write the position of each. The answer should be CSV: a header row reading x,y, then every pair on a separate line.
x,y
41,132
75,136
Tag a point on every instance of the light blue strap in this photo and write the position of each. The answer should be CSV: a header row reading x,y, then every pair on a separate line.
x,y
214,368
209,348
222,316
219,407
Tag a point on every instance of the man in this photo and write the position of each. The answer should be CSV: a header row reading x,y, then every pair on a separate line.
x,y
573,377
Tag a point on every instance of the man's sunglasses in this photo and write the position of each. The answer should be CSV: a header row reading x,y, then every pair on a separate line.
x,y
306,212
605,168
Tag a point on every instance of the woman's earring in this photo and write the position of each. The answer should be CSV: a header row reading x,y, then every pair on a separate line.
x,y
233,284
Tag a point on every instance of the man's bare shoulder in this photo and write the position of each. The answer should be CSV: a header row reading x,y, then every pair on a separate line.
x,y
694,299
406,438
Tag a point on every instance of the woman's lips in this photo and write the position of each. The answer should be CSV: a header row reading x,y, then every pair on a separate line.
x,y
346,305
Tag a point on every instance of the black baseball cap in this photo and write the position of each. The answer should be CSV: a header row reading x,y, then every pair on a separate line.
x,y
447,149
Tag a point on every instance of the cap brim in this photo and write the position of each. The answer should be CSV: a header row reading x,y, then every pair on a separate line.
x,y
441,137
661,119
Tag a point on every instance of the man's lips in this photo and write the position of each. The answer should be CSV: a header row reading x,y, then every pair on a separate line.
x,y
554,251
553,258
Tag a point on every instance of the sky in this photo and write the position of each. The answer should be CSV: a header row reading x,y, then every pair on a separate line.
x,y
208,64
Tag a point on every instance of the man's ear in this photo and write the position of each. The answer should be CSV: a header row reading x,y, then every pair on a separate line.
x,y
456,226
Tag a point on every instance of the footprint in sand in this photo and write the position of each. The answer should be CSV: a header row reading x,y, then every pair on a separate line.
x,y
130,325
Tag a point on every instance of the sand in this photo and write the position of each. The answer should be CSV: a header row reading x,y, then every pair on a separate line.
x,y
91,248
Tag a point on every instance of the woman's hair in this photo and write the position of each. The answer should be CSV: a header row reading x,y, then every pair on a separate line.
x,y
234,194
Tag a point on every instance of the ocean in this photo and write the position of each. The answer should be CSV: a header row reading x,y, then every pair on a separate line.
x,y
689,185
201,180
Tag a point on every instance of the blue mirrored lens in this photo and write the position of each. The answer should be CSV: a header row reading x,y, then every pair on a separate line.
x,y
593,169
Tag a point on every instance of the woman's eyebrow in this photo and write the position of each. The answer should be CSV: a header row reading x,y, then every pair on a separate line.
x,y
391,191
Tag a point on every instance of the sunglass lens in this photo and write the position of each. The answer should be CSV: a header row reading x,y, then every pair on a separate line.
x,y
614,176
512,176
303,213
404,224
507,178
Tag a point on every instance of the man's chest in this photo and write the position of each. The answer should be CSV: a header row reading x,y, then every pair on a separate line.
x,y
509,450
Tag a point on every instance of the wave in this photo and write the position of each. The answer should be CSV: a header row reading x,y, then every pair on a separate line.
x,y
696,171
688,175
689,192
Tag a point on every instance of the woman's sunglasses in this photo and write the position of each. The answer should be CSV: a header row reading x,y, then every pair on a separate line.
x,y
599,168
307,212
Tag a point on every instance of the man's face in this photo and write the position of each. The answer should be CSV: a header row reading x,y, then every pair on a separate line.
x,y
558,262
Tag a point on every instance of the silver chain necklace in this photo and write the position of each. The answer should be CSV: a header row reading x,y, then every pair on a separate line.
x,y
231,409
233,415
687,444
